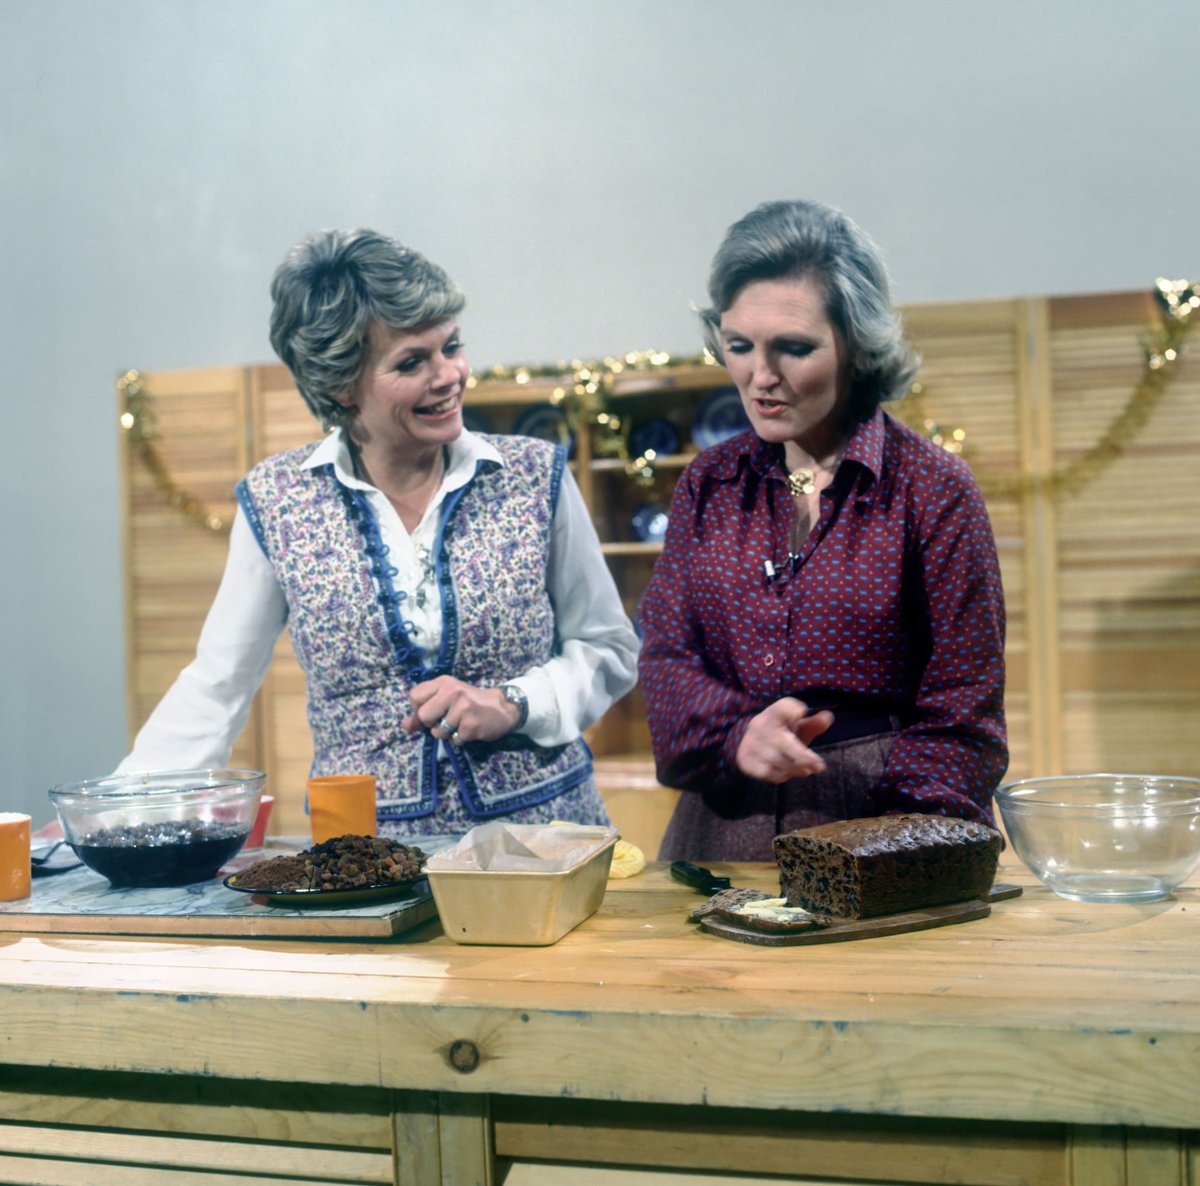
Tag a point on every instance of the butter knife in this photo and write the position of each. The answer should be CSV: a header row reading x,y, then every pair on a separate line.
x,y
698,877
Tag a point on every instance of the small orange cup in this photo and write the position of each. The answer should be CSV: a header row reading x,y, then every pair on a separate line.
x,y
15,875
340,805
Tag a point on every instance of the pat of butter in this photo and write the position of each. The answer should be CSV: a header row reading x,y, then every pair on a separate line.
x,y
776,909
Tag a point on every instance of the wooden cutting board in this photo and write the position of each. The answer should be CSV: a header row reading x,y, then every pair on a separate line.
x,y
83,902
864,928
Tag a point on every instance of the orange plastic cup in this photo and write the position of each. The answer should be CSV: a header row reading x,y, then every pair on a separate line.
x,y
340,805
15,876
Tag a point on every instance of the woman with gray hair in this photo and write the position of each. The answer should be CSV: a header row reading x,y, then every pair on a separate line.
x,y
444,590
823,634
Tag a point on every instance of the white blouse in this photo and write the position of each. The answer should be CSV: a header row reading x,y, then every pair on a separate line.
x,y
196,723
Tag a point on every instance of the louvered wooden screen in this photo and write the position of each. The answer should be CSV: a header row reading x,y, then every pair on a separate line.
x,y
1102,583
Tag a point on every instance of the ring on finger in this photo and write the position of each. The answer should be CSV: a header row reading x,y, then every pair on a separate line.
x,y
450,731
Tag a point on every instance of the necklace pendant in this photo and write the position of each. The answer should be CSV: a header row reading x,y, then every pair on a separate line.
x,y
802,481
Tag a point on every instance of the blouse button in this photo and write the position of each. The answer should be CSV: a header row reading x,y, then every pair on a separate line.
x,y
769,660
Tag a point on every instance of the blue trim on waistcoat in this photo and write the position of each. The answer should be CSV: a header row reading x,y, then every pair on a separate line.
x,y
449,646
409,656
445,581
246,501
556,475
530,798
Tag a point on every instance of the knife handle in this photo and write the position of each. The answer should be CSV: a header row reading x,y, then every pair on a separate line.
x,y
698,877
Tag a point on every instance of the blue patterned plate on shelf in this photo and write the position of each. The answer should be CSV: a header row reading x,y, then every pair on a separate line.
x,y
658,434
547,423
719,417
475,421
650,522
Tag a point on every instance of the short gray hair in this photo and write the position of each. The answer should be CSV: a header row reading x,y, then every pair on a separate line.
x,y
781,240
328,292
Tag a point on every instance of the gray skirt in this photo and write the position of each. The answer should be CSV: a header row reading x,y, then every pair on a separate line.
x,y
739,824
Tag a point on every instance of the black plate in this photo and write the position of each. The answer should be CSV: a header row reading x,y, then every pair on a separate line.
x,y
658,434
362,895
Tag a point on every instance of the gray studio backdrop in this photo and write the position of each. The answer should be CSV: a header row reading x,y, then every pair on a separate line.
x,y
572,164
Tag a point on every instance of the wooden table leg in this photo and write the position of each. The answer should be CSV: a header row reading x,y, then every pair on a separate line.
x,y
443,1139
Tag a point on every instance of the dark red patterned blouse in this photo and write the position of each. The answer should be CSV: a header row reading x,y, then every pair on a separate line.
x,y
893,603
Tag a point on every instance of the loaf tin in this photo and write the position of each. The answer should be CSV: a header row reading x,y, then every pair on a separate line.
x,y
520,908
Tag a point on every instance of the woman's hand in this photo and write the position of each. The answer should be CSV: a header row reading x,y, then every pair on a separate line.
x,y
775,745
458,712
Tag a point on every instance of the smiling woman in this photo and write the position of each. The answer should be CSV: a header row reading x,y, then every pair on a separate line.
x,y
444,590
407,406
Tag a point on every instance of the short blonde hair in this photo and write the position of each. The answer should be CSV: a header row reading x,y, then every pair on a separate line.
x,y
328,292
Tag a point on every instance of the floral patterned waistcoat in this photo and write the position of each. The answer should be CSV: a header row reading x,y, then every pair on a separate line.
x,y
347,624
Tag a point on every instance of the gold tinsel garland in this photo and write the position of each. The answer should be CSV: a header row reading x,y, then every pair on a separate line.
x,y
585,396
137,420
1176,300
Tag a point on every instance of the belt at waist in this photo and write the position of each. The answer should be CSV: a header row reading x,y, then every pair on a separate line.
x,y
850,723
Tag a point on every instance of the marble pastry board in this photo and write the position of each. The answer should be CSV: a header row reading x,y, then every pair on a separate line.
x,y
82,902
864,928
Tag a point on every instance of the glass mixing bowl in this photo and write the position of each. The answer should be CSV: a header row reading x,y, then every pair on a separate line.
x,y
170,827
1105,837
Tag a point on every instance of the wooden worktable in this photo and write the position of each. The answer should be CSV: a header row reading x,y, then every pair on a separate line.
x,y
1051,1042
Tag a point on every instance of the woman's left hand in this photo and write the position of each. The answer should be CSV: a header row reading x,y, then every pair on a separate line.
x,y
458,712
775,746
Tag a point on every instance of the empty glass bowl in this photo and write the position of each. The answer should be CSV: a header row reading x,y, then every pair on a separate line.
x,y
1105,837
170,827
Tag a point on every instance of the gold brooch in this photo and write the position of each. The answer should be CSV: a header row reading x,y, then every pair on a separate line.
x,y
802,481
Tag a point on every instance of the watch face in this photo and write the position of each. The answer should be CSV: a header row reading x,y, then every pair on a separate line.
x,y
514,695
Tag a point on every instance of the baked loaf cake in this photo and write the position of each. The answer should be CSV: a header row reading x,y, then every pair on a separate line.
x,y
863,868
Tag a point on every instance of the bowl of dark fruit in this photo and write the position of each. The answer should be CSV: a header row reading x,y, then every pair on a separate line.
x,y
169,827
